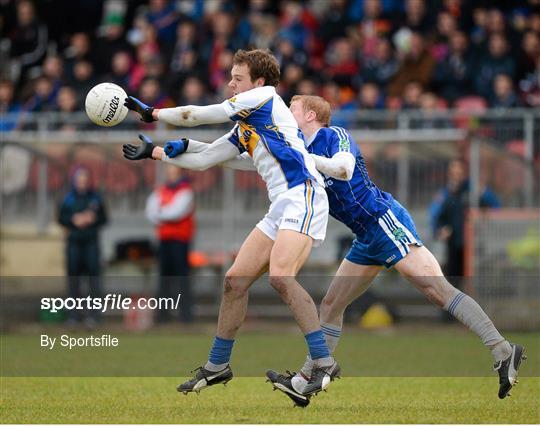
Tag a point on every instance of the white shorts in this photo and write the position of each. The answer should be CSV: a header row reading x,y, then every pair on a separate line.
x,y
303,208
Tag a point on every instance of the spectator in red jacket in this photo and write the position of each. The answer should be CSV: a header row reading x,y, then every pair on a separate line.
x,y
171,208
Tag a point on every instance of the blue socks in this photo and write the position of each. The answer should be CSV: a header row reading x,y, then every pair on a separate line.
x,y
317,345
220,354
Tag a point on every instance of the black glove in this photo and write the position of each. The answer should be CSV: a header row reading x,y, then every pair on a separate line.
x,y
139,152
144,110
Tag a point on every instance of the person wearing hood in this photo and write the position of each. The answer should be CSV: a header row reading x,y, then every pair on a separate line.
x,y
82,214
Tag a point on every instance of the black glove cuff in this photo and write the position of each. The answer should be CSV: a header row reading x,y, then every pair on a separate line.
x,y
148,115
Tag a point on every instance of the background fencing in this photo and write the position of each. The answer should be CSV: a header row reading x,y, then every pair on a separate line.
x,y
406,154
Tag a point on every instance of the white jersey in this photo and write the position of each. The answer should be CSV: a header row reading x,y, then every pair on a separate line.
x,y
267,130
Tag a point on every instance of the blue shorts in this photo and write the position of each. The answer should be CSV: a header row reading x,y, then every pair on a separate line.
x,y
386,242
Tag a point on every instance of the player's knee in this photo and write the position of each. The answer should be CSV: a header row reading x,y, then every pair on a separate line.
x,y
331,307
327,305
234,285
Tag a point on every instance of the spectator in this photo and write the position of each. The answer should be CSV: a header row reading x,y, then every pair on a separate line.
x,y
416,17
171,208
373,26
504,95
295,24
496,61
479,31
148,61
334,22
446,27
530,50
29,38
152,93
193,92
44,98
256,10
53,68
121,65
67,104
306,86
148,43
370,97
184,56
264,32
342,103
222,38
530,86
10,109
163,17
343,40
221,74
429,106
417,65
83,77
78,50
452,76
448,212
411,95
82,214
286,54
291,76
110,43
495,23
341,64
383,66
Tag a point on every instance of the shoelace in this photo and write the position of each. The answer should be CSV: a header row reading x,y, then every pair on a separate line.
x,y
290,375
197,369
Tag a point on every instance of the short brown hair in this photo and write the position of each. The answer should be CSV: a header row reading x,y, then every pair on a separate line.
x,y
261,64
320,106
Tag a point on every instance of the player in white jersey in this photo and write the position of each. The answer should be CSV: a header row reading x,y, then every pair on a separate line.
x,y
297,217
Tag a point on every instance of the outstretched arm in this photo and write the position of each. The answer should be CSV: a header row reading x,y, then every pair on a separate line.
x,y
240,162
192,115
186,116
340,166
217,152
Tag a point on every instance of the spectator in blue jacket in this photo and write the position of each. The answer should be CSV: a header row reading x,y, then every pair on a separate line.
x,y
82,214
10,109
496,61
448,212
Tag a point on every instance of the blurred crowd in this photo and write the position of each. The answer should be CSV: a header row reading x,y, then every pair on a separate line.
x,y
368,54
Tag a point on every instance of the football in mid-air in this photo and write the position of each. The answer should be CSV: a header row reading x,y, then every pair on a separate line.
x,y
105,104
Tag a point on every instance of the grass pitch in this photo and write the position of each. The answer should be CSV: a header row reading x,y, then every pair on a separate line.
x,y
363,396
250,400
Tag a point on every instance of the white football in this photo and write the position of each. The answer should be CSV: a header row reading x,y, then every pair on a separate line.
x,y
105,104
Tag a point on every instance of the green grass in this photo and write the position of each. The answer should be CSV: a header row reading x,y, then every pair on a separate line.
x,y
449,380
250,400
427,352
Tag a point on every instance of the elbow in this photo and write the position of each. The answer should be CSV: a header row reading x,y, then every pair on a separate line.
x,y
188,117
343,173
201,167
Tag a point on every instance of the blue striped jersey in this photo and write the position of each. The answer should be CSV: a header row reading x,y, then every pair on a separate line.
x,y
358,203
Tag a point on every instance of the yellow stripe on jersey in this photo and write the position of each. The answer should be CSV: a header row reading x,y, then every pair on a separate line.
x,y
248,137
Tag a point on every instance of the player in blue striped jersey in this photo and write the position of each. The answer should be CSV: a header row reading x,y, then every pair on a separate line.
x,y
385,236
